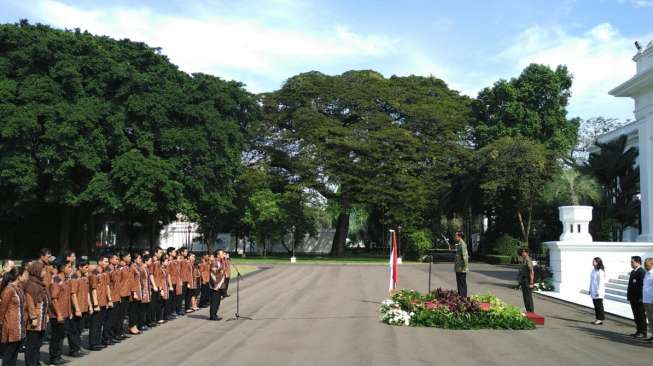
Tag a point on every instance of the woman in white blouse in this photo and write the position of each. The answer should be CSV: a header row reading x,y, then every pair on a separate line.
x,y
647,294
597,289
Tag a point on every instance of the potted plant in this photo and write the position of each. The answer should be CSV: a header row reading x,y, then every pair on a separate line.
x,y
569,190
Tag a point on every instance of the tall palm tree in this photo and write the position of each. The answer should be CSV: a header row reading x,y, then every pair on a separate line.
x,y
613,166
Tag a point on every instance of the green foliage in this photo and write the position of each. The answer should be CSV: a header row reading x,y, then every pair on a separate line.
x,y
498,259
532,105
506,245
572,188
514,169
417,244
445,309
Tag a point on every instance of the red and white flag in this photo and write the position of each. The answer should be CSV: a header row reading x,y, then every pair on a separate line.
x,y
393,262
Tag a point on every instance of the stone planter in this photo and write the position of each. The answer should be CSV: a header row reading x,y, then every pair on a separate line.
x,y
575,223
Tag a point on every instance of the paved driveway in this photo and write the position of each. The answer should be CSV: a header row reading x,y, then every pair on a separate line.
x,y
327,315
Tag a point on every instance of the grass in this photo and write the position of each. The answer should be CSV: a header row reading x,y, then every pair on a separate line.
x,y
359,260
244,269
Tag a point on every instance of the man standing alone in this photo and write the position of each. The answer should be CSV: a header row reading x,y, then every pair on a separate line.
x,y
635,295
526,279
461,265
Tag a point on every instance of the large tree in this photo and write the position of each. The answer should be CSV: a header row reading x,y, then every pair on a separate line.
x,y
360,138
533,105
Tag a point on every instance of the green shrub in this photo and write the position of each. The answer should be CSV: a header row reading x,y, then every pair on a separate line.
x,y
498,259
418,243
447,309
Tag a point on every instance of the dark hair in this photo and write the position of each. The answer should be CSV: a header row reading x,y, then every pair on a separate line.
x,y
170,250
9,277
82,263
61,265
520,251
101,257
637,259
124,254
68,253
461,234
599,263
146,257
45,251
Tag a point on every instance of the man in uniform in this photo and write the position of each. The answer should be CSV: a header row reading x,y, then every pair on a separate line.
x,y
461,264
526,279
101,300
60,311
80,300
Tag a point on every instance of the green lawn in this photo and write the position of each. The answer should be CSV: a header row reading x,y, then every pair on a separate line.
x,y
312,260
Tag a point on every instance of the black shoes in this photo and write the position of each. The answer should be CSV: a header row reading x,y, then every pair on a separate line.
x,y
215,318
58,361
76,354
638,335
97,348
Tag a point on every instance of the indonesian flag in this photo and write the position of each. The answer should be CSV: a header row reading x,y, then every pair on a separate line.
x,y
393,262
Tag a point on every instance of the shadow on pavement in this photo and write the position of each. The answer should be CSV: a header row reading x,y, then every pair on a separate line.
x,y
613,336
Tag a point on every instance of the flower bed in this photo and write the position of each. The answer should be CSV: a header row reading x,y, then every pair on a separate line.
x,y
446,309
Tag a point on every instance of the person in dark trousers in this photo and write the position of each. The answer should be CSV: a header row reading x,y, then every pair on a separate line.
x,y
597,289
80,299
634,295
647,294
526,279
60,311
216,283
12,314
100,299
461,263
37,298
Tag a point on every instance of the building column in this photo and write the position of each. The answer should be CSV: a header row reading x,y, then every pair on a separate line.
x,y
646,177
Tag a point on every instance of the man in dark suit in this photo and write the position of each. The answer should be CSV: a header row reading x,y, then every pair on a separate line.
x,y
634,295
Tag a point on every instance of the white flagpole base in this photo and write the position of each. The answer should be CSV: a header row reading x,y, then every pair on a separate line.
x,y
399,261
293,260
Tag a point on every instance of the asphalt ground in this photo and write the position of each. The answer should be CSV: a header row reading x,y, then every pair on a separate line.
x,y
327,315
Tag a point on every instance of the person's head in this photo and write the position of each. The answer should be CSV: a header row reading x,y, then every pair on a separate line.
x,y
44,255
64,268
147,259
648,264
165,259
158,252
7,265
138,259
125,257
598,263
172,252
523,252
103,262
183,252
82,266
635,261
36,269
220,254
70,256
114,259
459,235
23,274
8,277
191,257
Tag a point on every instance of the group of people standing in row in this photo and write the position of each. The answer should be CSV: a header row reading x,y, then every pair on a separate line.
x,y
639,293
121,296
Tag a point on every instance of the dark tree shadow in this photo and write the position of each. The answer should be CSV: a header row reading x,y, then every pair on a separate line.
x,y
613,336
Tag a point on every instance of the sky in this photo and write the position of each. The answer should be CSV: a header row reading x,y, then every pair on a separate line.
x,y
470,44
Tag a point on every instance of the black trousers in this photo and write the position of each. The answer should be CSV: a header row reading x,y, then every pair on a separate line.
x,y
98,319
33,348
143,313
188,297
181,298
639,316
598,309
171,304
74,329
527,292
111,318
134,309
216,297
119,325
461,282
155,305
204,295
56,339
226,284
10,353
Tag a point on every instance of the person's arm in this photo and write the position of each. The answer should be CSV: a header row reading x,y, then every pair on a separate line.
x,y
55,290
109,296
90,304
74,289
32,310
152,280
4,303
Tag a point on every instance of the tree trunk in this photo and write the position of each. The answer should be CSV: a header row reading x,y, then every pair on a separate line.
x,y
521,226
340,237
64,229
209,242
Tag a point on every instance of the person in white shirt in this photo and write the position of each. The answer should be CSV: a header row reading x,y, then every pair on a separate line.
x,y
647,294
597,289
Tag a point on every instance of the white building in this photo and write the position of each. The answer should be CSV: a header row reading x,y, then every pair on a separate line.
x,y
571,257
